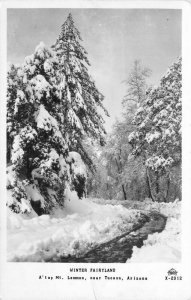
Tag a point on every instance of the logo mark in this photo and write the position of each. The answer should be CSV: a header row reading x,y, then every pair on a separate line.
x,y
172,272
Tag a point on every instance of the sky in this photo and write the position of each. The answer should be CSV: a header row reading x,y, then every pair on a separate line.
x,y
113,38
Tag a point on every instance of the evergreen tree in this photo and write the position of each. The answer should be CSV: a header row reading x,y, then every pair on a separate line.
x,y
119,175
158,121
128,174
80,97
52,106
14,89
39,148
136,85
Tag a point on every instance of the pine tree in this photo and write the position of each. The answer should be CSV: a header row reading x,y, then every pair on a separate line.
x,y
136,85
39,149
158,134
80,97
52,106
119,175
14,84
124,169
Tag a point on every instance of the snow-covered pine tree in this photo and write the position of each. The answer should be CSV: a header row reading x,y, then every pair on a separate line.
x,y
14,84
35,122
136,85
80,97
52,106
158,134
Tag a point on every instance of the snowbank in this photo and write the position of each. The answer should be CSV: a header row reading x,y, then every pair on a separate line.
x,y
164,246
72,231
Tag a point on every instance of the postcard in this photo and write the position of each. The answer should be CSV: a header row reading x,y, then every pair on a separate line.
x,y
95,150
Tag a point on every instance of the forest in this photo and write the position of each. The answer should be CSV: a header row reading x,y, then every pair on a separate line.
x,y
57,145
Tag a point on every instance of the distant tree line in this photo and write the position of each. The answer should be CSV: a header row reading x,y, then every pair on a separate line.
x,y
142,157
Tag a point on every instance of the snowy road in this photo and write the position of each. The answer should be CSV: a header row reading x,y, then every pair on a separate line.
x,y
119,249
86,231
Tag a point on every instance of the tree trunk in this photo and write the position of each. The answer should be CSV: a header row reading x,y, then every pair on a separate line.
x,y
119,167
9,148
157,183
124,193
149,184
168,188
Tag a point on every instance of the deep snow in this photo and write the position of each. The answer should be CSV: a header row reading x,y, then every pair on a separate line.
x,y
83,224
159,247
76,229
164,246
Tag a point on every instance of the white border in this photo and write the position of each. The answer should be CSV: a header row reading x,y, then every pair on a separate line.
x,y
96,4
20,280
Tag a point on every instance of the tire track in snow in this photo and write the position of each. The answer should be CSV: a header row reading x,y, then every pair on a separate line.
x,y
119,249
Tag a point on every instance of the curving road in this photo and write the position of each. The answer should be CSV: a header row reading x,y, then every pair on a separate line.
x,y
119,249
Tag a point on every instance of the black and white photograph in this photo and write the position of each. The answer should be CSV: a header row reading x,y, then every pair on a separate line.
x,y
95,150
94,135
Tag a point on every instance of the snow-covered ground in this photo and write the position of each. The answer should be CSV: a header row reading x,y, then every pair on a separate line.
x,y
86,223
164,246
159,247
76,229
